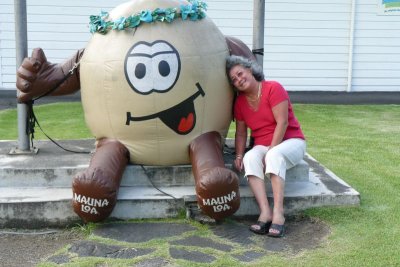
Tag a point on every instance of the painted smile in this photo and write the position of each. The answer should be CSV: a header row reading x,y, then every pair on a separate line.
x,y
181,118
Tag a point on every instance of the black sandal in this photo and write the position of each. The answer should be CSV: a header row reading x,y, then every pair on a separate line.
x,y
280,228
264,227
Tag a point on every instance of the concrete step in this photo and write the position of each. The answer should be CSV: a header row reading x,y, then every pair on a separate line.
x,y
49,169
51,207
134,175
35,191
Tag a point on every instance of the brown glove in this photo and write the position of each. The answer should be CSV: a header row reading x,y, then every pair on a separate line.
x,y
36,76
95,190
238,48
217,187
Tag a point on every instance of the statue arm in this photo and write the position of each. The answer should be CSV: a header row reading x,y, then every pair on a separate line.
x,y
36,76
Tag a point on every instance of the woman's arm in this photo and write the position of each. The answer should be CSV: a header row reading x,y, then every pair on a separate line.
x,y
240,143
280,112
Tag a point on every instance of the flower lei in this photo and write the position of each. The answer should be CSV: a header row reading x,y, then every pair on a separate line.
x,y
194,11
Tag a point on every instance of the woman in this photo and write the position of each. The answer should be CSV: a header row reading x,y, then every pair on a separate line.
x,y
279,144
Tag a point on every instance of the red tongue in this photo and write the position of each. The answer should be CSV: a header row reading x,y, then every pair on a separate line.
x,y
186,124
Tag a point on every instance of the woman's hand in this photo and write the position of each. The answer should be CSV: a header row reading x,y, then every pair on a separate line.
x,y
240,143
280,112
239,162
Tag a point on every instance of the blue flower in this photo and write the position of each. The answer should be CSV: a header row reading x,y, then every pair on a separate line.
x,y
119,24
158,14
94,22
170,17
133,21
194,16
104,14
194,5
146,16
159,11
204,5
185,11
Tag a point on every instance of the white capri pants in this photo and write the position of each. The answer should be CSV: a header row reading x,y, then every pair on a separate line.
x,y
275,160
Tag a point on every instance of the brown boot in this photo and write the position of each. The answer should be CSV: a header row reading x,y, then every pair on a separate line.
x,y
95,190
217,187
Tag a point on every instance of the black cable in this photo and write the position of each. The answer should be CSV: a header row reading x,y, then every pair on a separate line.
x,y
32,120
259,51
148,177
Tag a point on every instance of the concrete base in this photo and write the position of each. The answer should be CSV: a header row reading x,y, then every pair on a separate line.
x,y
35,190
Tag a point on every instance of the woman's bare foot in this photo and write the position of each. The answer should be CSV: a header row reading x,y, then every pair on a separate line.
x,y
277,228
263,218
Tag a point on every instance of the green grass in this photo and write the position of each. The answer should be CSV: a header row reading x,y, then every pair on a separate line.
x,y
59,121
360,144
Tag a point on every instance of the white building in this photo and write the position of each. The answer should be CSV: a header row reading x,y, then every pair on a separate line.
x,y
310,45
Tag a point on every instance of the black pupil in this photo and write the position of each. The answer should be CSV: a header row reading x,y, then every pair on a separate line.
x,y
163,68
140,70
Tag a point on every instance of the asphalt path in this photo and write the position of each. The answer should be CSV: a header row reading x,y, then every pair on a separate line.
x,y
8,99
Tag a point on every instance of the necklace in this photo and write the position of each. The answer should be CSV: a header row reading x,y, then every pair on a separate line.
x,y
254,102
250,99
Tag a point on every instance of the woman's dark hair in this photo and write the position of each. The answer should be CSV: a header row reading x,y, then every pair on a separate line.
x,y
255,68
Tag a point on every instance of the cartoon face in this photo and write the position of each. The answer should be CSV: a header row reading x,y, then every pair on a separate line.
x,y
155,67
157,87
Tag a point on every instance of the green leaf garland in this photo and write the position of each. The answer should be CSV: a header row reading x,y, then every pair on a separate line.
x,y
196,10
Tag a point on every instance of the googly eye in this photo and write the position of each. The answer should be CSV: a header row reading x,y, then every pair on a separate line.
x,y
152,67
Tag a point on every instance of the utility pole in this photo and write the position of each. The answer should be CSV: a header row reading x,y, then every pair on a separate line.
x,y
258,30
21,45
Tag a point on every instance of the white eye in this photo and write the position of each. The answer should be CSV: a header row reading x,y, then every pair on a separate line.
x,y
152,67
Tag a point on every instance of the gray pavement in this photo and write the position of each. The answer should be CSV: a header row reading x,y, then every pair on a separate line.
x,y
182,243
173,242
